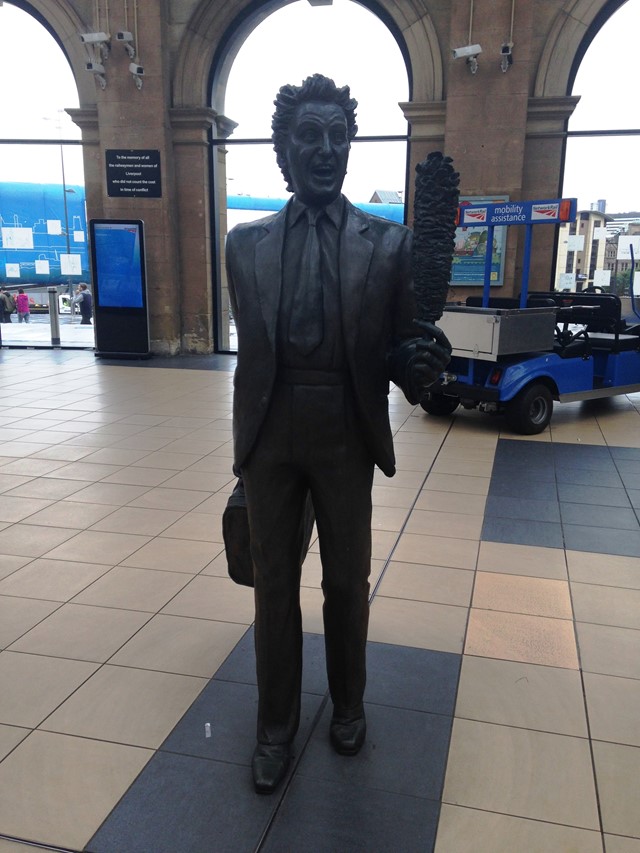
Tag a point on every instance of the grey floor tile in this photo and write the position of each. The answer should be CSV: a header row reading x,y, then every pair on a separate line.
x,y
521,532
630,480
509,486
416,679
230,710
621,454
577,475
405,753
240,666
338,818
527,509
186,805
601,540
619,518
598,495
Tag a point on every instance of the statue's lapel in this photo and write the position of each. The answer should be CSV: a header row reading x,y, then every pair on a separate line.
x,y
355,259
269,272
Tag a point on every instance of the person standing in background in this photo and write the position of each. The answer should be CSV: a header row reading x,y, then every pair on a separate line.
x,y
22,306
85,303
7,305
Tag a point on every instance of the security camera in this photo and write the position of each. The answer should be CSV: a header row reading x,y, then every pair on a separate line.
x,y
138,70
95,67
126,39
506,53
468,51
94,38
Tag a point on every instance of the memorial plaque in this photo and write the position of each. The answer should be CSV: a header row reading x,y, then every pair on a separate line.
x,y
133,174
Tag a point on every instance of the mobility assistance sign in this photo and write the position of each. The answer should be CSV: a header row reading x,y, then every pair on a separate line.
x,y
552,212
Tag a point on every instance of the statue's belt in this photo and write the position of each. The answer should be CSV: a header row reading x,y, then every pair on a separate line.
x,y
293,376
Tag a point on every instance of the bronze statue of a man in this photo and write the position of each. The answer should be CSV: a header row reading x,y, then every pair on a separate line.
x,y
324,307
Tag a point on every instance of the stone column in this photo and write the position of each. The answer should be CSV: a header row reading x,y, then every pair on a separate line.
x,y
225,128
130,116
545,145
426,134
190,128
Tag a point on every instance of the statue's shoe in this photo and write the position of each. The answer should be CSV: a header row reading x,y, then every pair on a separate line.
x,y
347,736
269,765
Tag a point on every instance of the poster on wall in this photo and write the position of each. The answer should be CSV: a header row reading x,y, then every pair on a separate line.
x,y
471,248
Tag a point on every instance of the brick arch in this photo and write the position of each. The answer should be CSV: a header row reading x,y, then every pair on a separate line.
x,y
571,34
63,22
214,36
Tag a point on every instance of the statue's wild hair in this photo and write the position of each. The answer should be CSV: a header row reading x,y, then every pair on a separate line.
x,y
314,88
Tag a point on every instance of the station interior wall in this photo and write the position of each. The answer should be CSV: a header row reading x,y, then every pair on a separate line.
x,y
506,132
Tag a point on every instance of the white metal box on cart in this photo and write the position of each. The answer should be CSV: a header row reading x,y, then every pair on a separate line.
x,y
486,333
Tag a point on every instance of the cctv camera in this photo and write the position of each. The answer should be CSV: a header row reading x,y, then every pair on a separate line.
x,y
469,50
95,67
138,70
94,38
507,56
123,35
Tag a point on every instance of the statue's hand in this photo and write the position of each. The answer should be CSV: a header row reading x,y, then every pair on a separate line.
x,y
432,355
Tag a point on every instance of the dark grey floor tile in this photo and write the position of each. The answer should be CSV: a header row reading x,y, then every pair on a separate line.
x,y
520,532
231,710
523,508
562,451
629,466
580,476
598,495
527,469
528,452
602,541
318,816
616,517
405,753
417,679
240,666
186,805
630,480
624,453
634,497
510,485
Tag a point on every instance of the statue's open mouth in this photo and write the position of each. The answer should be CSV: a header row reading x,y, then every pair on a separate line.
x,y
324,171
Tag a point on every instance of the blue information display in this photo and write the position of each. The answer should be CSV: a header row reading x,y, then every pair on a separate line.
x,y
118,263
119,287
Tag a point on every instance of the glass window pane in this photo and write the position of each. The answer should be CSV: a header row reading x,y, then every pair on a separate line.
x,y
300,40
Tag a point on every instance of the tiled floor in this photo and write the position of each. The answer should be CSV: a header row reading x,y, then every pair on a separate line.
x,y
504,662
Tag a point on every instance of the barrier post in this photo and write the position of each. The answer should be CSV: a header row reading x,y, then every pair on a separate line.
x,y
54,316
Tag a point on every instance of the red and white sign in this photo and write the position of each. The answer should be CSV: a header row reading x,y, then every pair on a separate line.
x,y
545,211
475,215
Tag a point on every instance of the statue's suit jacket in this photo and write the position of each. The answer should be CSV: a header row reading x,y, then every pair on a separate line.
x,y
378,309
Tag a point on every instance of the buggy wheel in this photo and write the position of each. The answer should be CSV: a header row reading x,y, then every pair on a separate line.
x,y
440,404
530,410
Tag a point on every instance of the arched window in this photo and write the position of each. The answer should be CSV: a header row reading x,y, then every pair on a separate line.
x,y
344,41
601,165
41,168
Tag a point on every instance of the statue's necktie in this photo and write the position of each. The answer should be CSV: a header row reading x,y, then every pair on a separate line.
x,y
306,324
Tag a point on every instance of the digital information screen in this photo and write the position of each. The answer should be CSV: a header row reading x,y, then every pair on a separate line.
x,y
118,263
119,286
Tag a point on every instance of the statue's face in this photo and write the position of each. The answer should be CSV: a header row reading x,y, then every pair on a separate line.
x,y
317,152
